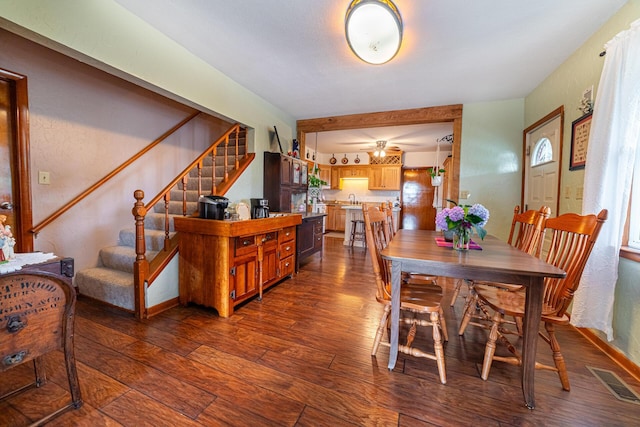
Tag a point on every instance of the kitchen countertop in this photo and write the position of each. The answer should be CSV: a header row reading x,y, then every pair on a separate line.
x,y
359,206
312,215
303,214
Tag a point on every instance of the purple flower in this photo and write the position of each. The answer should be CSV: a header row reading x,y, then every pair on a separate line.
x,y
466,216
481,212
456,214
441,219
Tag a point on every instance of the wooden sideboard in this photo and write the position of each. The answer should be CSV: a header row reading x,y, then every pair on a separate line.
x,y
224,263
309,237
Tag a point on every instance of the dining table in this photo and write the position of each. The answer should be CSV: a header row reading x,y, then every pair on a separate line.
x,y
417,251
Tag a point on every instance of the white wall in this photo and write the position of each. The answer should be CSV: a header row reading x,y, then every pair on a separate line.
x,y
109,37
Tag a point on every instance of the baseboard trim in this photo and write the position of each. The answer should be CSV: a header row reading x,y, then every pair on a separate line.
x,y
613,353
164,306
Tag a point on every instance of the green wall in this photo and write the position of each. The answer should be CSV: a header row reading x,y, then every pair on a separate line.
x,y
564,87
491,159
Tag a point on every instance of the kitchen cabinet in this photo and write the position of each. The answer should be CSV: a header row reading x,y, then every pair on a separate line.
x,y
331,217
335,178
284,177
325,174
308,237
224,263
354,172
336,217
384,177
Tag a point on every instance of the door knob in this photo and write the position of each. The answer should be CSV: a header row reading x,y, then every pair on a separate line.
x,y
6,205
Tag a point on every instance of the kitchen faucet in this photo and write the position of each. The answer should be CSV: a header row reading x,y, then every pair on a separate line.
x,y
353,202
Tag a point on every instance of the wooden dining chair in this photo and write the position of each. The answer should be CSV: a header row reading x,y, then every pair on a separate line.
x,y
526,234
387,208
572,239
417,301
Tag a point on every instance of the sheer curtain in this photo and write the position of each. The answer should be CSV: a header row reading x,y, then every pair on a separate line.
x,y
611,155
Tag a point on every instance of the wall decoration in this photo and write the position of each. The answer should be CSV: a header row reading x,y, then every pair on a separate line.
x,y
580,130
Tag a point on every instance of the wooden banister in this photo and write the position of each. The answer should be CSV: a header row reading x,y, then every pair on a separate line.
x,y
146,271
48,220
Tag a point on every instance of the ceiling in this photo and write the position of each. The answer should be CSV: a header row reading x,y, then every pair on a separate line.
x,y
294,54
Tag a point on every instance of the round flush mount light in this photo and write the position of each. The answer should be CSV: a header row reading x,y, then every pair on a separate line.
x,y
374,30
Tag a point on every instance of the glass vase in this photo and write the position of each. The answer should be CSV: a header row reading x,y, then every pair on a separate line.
x,y
462,239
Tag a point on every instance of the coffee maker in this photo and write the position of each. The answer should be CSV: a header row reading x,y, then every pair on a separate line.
x,y
259,208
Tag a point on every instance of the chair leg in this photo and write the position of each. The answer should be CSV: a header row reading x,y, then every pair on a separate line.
x,y
469,306
490,348
437,347
380,331
558,359
443,325
412,333
456,292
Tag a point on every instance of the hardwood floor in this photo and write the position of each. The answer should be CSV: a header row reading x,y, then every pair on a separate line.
x,y
301,357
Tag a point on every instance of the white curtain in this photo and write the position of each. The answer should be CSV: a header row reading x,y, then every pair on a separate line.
x,y
611,154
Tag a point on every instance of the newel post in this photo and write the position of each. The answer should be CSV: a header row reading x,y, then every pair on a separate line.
x,y
141,265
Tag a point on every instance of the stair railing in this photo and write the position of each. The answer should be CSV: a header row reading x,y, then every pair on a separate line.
x,y
145,272
48,220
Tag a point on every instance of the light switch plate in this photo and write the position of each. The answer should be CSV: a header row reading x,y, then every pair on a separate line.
x,y
44,178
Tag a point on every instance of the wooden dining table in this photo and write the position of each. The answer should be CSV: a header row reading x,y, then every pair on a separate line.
x,y
416,251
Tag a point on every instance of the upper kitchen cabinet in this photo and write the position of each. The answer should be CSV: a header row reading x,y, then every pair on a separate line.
x,y
384,177
284,176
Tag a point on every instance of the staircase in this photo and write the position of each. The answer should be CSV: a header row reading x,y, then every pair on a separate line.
x,y
112,281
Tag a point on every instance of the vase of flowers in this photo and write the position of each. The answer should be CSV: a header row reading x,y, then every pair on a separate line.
x,y
463,220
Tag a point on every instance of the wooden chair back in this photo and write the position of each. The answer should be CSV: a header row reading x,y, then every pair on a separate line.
x,y
527,229
387,208
572,239
375,224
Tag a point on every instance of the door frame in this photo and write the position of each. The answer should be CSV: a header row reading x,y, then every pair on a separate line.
x,y
525,134
21,179
442,114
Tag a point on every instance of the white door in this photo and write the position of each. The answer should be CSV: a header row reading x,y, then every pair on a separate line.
x,y
542,166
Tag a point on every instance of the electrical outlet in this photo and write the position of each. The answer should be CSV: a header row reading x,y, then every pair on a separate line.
x,y
44,178
464,194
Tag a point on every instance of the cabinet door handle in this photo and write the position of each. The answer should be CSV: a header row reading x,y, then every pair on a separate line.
x,y
288,248
246,242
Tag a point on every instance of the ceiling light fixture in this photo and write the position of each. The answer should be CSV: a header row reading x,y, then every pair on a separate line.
x,y
380,149
374,30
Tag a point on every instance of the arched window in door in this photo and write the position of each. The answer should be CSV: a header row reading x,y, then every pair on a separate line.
x,y
542,152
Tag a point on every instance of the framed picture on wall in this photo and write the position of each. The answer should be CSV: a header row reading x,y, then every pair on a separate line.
x,y
580,130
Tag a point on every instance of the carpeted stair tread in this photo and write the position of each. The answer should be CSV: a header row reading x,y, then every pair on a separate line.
x,y
121,257
106,284
154,239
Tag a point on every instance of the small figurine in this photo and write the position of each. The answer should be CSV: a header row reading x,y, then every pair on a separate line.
x,y
7,241
296,148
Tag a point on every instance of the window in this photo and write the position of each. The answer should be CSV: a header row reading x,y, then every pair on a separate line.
x,y
542,152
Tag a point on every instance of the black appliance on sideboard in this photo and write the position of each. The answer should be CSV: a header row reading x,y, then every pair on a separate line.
x,y
212,207
259,208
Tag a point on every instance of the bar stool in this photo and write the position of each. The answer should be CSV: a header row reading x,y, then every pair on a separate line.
x,y
357,233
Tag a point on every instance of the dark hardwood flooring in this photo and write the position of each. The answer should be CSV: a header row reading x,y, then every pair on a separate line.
x,y
301,357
